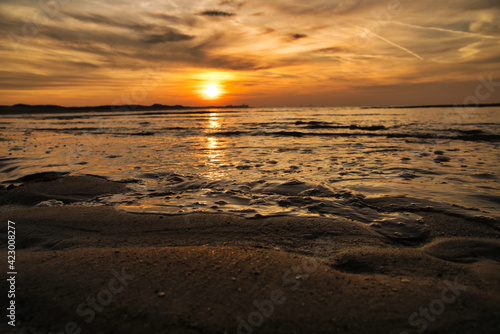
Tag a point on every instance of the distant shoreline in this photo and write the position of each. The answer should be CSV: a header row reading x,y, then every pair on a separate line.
x,y
55,109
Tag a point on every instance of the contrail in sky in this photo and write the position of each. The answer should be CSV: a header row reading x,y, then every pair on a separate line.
x,y
396,45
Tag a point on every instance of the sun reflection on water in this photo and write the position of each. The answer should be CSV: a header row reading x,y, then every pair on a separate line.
x,y
213,121
214,152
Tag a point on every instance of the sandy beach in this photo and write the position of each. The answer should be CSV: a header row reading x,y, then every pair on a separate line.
x,y
100,270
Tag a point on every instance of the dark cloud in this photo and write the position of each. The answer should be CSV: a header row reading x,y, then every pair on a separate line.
x,y
216,13
236,63
153,33
130,53
7,24
169,36
136,26
83,38
298,36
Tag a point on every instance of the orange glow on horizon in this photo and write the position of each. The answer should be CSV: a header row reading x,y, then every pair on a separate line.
x,y
213,85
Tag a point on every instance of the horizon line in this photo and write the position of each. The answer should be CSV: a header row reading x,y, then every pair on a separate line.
x,y
157,107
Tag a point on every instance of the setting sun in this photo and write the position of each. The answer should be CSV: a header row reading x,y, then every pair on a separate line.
x,y
212,91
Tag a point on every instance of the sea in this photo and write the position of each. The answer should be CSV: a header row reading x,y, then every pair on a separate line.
x,y
375,166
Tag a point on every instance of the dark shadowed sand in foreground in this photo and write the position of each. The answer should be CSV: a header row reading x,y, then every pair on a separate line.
x,y
99,270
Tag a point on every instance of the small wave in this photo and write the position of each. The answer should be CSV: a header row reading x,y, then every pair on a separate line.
x,y
485,176
325,125
175,128
230,133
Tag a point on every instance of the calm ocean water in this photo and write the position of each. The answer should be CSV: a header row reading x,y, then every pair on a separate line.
x,y
364,164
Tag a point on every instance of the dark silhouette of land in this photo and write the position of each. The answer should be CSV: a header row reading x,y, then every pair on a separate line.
x,y
55,109
44,109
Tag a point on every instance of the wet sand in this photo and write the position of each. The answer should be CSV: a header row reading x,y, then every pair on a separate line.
x,y
100,270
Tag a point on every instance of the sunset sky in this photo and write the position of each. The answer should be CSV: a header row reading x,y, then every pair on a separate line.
x,y
259,52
